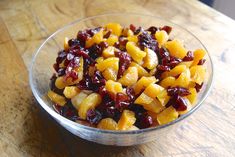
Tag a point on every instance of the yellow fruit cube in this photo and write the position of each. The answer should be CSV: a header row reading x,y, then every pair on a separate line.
x,y
60,83
193,96
161,37
153,90
108,63
77,99
143,99
56,98
129,77
163,97
151,59
133,127
143,82
176,48
133,38
115,27
113,87
108,52
175,71
186,63
198,55
167,115
127,120
140,69
90,102
66,45
183,80
167,82
110,74
135,52
112,40
198,73
107,124
99,59
71,91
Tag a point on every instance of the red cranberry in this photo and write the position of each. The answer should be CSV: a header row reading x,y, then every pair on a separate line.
x,y
73,42
152,29
146,40
124,62
201,62
198,87
189,56
144,121
168,29
132,27
178,91
122,101
94,116
107,34
163,68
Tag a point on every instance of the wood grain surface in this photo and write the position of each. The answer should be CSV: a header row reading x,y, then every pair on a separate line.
x,y
27,130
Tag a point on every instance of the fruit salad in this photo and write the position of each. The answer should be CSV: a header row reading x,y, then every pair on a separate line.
x,y
126,78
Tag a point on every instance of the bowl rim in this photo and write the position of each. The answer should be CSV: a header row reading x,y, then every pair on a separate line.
x,y
73,124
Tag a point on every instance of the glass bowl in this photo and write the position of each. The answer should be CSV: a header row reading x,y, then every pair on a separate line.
x,y
41,71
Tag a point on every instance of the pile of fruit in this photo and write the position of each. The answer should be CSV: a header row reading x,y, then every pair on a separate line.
x,y
126,78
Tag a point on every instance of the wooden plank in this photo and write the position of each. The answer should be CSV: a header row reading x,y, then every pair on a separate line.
x,y
26,130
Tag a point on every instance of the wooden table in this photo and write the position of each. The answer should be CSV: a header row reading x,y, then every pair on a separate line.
x,y
27,130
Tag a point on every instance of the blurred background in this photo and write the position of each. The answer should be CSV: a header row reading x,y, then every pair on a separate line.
x,y
224,6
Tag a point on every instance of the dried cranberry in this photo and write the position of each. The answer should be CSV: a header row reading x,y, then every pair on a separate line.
x,y
178,103
152,29
103,45
61,72
163,68
61,56
181,91
189,56
94,116
144,121
56,67
95,51
138,30
168,29
146,40
198,87
82,36
69,111
122,101
93,31
124,62
107,34
132,27
164,53
201,62
173,62
73,42
130,93
122,43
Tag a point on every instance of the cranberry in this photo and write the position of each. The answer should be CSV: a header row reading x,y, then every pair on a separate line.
x,y
95,51
146,40
73,42
130,93
122,101
152,29
138,30
56,67
181,91
168,29
132,28
144,121
61,72
198,87
189,56
94,116
61,56
163,68
201,62
107,34
178,103
124,62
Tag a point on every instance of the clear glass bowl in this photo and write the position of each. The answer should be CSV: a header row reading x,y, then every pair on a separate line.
x,y
41,71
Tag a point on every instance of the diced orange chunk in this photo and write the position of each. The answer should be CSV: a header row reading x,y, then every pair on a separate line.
x,y
198,55
167,82
129,77
143,99
115,27
113,87
110,74
151,59
163,97
56,98
133,127
71,91
127,120
96,39
143,82
108,52
99,59
193,96
161,37
153,90
66,45
112,40
60,83
77,100
109,62
187,63
175,71
141,70
135,52
198,73
167,115
176,48
107,124
90,102
132,38
183,80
